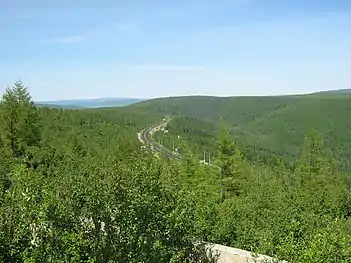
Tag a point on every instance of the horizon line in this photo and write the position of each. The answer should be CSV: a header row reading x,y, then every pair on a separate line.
x,y
189,95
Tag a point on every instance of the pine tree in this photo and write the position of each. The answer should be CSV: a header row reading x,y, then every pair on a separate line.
x,y
225,151
322,186
316,161
20,121
233,171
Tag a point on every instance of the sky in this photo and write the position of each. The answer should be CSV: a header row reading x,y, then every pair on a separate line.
x,y
145,49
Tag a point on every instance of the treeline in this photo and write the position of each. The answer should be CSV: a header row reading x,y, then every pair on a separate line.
x,y
76,187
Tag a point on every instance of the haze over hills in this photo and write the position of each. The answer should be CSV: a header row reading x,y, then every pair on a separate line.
x,y
120,102
89,103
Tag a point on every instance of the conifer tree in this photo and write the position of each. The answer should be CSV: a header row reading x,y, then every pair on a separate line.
x,y
231,164
20,123
316,161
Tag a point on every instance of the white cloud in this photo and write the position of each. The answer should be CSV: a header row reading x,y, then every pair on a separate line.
x,y
100,33
72,39
151,67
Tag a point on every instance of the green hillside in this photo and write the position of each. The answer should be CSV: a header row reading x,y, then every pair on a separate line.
x,y
242,109
263,126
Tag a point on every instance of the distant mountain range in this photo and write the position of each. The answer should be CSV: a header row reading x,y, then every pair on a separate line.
x,y
89,103
120,102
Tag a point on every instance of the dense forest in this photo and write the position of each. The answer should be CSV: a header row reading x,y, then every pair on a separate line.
x,y
75,186
264,127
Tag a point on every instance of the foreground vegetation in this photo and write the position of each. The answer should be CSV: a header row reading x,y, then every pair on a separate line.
x,y
76,187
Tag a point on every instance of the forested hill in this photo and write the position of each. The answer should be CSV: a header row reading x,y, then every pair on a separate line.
x,y
263,126
335,92
76,186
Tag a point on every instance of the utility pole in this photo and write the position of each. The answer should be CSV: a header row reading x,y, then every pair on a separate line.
x,y
204,157
173,145
209,158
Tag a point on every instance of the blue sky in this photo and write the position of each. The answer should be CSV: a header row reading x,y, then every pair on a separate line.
x,y
137,48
